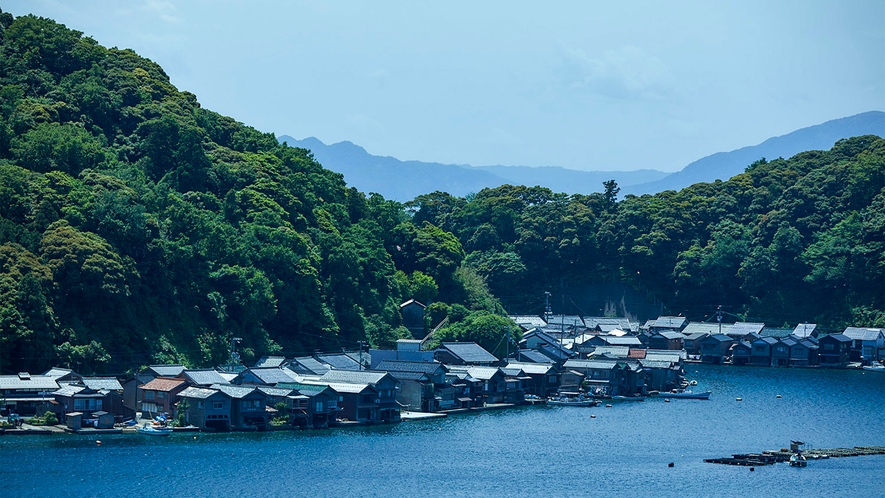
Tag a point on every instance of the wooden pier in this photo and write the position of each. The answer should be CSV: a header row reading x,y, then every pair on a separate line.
x,y
770,457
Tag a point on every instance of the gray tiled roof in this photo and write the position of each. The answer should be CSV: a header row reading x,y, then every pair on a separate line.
x,y
278,392
470,352
205,377
613,351
197,393
532,356
167,370
744,328
57,372
669,322
804,329
531,368
427,367
625,340
354,376
68,390
529,320
34,382
339,361
103,383
270,361
594,364
863,334
705,327
236,392
417,376
271,375
308,365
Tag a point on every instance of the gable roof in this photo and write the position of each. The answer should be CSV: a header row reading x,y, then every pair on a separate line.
x,y
532,356
270,361
626,340
197,393
425,367
863,334
744,328
705,327
670,335
339,361
371,377
528,321
612,351
166,370
718,338
270,375
204,377
165,384
102,383
308,365
57,372
670,322
592,364
469,352
532,368
804,330
836,337
235,392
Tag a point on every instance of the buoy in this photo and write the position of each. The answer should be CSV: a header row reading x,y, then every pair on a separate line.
x,y
671,464
752,469
666,400
195,437
739,399
779,396
98,443
592,416
608,406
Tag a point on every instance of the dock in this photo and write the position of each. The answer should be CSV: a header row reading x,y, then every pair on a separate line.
x,y
770,457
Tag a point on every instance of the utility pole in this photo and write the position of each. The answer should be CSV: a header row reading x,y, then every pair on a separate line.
x,y
234,356
719,317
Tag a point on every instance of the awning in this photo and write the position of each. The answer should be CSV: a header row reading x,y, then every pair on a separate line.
x,y
465,399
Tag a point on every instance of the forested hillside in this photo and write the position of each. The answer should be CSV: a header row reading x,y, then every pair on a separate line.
x,y
137,227
788,241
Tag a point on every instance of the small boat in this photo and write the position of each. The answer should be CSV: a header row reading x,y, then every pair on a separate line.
x,y
533,399
571,399
686,394
798,460
693,383
875,368
154,430
627,398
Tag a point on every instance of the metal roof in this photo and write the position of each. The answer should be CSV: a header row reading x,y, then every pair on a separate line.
x,y
744,328
531,320
270,361
105,383
805,329
167,370
705,327
594,364
339,361
33,382
863,334
309,365
426,367
402,375
205,377
197,393
532,368
533,356
278,392
469,352
271,375
236,392
354,376
669,322
613,351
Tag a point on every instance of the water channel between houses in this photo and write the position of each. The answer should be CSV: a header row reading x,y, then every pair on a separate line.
x,y
528,451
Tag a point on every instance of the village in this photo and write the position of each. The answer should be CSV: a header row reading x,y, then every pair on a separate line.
x,y
607,358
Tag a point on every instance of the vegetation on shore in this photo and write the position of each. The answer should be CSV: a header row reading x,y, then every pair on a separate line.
x,y
137,227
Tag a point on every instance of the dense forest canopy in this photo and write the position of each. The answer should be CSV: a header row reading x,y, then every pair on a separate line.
x,y
137,227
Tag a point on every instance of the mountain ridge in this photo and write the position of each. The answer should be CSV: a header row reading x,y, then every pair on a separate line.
x,y
371,173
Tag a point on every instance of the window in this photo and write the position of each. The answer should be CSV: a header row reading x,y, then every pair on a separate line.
x,y
148,395
199,405
161,395
217,405
251,403
318,407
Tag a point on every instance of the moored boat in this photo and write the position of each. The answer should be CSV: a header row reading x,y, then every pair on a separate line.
x,y
571,399
154,430
874,368
798,460
686,394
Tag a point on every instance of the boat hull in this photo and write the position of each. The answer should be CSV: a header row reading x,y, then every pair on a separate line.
x,y
704,395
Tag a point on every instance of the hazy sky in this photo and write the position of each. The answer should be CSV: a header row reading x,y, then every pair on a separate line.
x,y
583,85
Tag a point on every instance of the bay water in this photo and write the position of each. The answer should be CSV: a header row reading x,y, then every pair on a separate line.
x,y
544,451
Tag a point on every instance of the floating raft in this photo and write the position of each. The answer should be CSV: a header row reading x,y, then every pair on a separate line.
x,y
774,456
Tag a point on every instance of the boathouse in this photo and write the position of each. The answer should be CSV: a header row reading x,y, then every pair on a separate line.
x,y
835,350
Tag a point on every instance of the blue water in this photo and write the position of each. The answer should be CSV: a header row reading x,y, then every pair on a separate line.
x,y
529,451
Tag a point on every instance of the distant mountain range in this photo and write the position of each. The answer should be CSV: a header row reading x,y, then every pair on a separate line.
x,y
404,180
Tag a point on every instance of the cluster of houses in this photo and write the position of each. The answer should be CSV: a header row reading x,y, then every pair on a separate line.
x,y
602,356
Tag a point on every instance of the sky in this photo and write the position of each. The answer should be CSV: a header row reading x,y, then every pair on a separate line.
x,y
587,85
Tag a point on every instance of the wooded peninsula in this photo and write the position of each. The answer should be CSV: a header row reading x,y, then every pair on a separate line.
x,y
137,228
